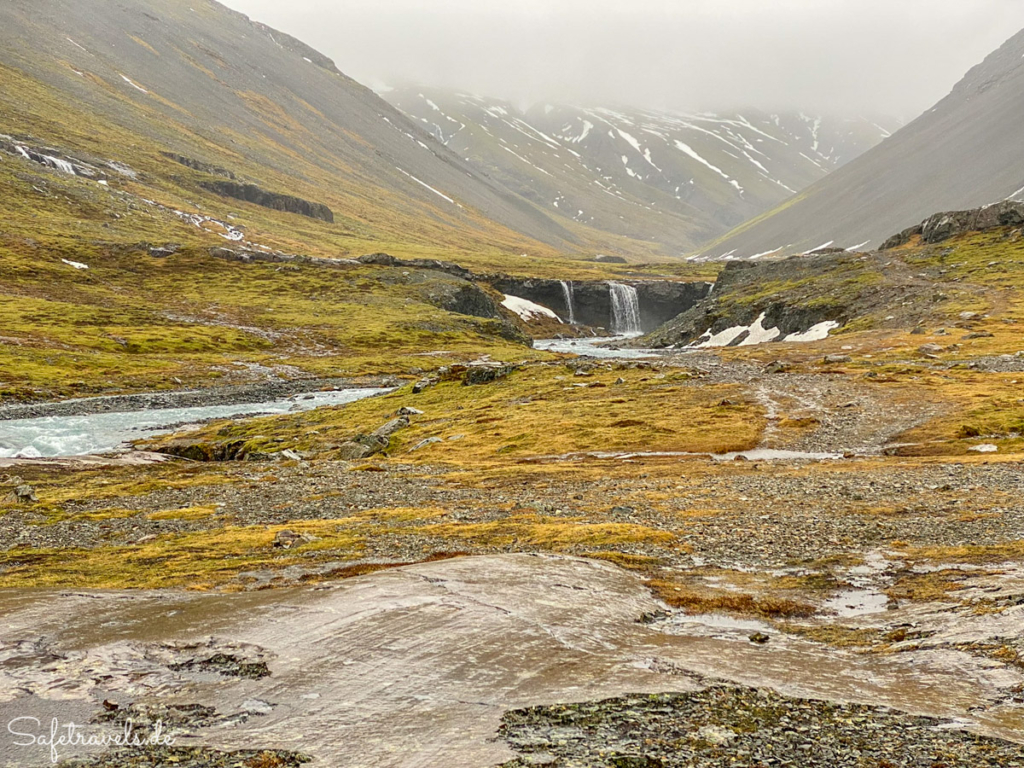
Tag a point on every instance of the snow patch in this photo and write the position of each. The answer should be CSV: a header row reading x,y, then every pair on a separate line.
x,y
758,334
817,248
75,264
134,85
817,332
424,184
526,309
688,150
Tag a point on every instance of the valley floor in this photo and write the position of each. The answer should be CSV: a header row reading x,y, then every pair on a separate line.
x,y
554,534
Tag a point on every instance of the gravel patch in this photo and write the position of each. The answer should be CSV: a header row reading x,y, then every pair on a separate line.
x,y
725,727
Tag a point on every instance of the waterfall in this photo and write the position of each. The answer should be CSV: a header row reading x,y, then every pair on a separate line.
x,y
625,310
567,293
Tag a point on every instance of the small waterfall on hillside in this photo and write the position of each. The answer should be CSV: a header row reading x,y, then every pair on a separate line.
x,y
567,292
625,310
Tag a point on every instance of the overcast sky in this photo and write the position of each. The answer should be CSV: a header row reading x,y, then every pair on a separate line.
x,y
869,56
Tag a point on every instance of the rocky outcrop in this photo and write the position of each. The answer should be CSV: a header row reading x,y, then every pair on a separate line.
x,y
943,226
250,257
740,298
199,165
387,260
251,193
660,300
465,298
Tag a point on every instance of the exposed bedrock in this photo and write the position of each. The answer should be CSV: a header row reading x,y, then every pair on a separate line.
x,y
746,291
943,226
250,193
659,301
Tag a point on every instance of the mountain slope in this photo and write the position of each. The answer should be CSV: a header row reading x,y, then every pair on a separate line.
x,y
202,82
676,180
966,152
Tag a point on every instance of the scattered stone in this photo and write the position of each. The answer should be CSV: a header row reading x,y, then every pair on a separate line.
x,y
288,539
776,366
727,726
422,385
290,455
979,335
425,443
144,717
407,411
759,638
930,349
189,757
226,665
836,359
486,374
715,735
984,448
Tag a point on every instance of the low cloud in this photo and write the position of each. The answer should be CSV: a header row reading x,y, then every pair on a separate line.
x,y
867,56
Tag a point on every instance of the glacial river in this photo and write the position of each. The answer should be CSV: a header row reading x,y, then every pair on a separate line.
x,y
105,432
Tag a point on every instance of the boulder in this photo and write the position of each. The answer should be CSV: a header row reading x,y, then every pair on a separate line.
x,y
352,451
391,427
287,539
425,443
423,385
379,259
486,374
23,494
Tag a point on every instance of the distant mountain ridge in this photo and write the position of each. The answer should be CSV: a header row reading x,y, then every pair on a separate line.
x,y
195,79
671,179
966,152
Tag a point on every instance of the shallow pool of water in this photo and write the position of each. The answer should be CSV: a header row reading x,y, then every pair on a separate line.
x,y
83,435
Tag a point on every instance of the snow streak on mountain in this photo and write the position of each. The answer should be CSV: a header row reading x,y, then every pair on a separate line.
x,y
675,180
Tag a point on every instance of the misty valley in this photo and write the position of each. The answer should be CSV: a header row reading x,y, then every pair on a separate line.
x,y
379,421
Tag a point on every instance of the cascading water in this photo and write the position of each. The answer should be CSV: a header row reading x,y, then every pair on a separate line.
x,y
567,293
625,310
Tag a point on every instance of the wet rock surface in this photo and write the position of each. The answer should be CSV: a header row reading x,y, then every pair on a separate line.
x,y
418,666
725,726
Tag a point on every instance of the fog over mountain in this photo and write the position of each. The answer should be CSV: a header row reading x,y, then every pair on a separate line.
x,y
831,55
